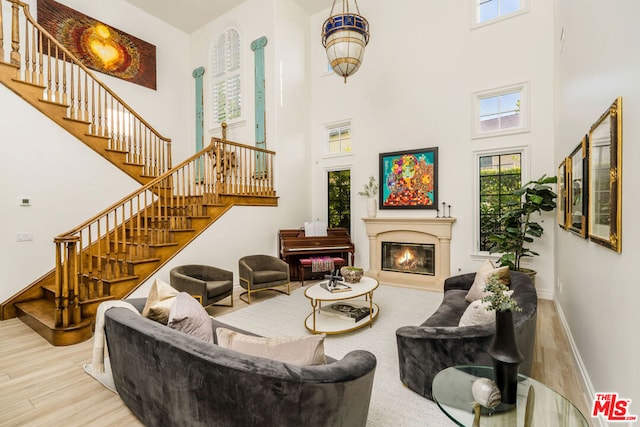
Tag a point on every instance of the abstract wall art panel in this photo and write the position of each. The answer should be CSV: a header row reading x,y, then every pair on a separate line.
x,y
99,46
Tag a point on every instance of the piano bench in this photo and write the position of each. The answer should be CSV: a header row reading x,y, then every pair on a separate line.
x,y
306,263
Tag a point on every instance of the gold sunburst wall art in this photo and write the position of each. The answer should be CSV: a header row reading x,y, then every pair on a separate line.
x,y
99,46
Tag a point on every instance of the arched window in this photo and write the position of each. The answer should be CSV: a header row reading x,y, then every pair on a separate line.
x,y
226,81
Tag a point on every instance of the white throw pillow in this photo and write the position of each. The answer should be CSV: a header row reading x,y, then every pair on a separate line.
x,y
188,316
301,351
477,313
476,291
159,301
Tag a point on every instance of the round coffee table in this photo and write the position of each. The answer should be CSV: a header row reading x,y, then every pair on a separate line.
x,y
319,322
537,404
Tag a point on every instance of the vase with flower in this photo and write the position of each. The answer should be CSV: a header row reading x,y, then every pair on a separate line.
x,y
504,349
369,191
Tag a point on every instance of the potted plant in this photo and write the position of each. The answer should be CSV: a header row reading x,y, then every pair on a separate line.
x,y
504,349
370,190
517,226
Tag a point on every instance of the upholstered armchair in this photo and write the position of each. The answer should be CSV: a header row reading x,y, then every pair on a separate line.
x,y
261,273
206,283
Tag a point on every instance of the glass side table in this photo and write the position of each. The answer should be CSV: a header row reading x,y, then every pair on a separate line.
x,y
537,404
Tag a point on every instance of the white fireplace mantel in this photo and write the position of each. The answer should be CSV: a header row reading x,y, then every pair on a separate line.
x,y
435,231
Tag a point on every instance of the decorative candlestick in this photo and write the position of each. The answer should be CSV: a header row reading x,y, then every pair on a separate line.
x,y
444,212
449,212
437,213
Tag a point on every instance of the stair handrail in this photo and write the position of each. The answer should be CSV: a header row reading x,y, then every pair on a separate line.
x,y
99,248
15,60
156,181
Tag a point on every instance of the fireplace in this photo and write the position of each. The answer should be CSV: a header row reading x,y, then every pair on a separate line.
x,y
411,258
428,238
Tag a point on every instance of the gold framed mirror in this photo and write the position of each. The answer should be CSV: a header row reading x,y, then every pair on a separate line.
x,y
577,194
605,178
562,194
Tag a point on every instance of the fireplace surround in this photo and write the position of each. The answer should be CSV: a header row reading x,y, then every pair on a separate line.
x,y
419,231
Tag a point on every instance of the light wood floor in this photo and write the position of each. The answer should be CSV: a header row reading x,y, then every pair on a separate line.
x,y
45,385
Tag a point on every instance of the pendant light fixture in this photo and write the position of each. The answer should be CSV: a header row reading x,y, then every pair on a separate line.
x,y
344,36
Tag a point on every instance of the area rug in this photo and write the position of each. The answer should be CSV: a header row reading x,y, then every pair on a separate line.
x,y
392,404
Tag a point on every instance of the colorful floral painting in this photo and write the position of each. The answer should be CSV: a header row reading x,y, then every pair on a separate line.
x,y
99,46
409,179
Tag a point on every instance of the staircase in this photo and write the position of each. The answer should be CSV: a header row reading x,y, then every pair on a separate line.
x,y
111,254
45,74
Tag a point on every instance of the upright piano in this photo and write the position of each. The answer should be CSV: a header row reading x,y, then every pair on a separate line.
x,y
294,245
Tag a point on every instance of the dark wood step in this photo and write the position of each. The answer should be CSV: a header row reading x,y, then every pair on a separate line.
x,y
39,315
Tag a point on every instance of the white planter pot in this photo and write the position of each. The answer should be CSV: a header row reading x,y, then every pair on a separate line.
x,y
372,207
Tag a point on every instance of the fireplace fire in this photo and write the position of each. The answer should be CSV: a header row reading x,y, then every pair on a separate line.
x,y
413,258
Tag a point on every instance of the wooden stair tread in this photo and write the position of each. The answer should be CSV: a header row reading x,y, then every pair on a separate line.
x,y
44,312
112,280
115,150
59,104
84,122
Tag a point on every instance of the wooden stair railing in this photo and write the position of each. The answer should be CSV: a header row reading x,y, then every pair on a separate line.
x,y
43,72
111,254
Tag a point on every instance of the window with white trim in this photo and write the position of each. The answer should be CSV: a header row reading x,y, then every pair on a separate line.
x,y
501,111
226,81
339,139
488,11
498,174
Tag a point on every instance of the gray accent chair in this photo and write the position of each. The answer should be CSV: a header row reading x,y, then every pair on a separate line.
x,y
261,273
439,342
168,378
205,283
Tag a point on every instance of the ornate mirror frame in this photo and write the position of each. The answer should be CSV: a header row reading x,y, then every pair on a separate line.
x,y
605,178
577,189
563,218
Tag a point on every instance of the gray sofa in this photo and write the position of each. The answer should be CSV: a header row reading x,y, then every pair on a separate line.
x,y
439,342
168,378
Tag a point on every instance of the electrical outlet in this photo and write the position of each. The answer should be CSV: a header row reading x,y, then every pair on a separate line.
x,y
24,201
24,237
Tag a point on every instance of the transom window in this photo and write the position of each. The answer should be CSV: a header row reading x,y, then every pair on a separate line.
x,y
339,139
487,11
499,176
226,82
501,111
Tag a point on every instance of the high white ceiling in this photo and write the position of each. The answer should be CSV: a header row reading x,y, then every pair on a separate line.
x,y
189,15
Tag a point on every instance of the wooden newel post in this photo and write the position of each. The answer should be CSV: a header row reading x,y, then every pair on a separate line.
x,y
66,281
15,34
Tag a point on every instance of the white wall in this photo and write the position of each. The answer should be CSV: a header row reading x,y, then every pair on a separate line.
x,y
414,90
67,182
47,165
598,62
250,230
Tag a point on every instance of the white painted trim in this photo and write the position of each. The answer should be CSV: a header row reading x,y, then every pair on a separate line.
x,y
581,367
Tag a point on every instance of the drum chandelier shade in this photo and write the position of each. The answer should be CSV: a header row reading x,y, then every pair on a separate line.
x,y
344,36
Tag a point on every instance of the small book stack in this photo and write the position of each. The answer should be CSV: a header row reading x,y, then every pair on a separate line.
x,y
346,311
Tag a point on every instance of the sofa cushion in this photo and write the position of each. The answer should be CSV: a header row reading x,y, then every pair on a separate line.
x,y
188,316
301,351
481,279
478,313
159,301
